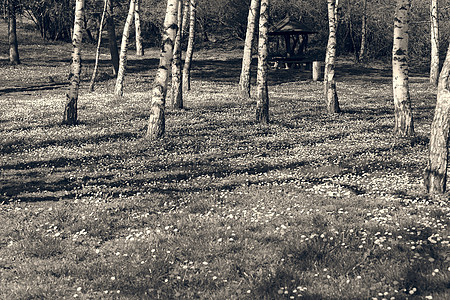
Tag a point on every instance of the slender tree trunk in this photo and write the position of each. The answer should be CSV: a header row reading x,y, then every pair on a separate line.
x,y
156,123
190,46
330,60
434,65
70,110
112,38
12,33
176,91
436,171
262,92
186,5
362,49
118,91
244,82
402,102
137,25
362,55
97,52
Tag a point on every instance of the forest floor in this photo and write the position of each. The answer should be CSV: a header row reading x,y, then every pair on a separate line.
x,y
312,206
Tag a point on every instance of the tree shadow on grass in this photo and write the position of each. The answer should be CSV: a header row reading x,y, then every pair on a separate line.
x,y
21,145
229,71
36,190
33,88
364,73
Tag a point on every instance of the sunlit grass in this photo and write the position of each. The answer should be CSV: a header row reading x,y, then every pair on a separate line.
x,y
312,206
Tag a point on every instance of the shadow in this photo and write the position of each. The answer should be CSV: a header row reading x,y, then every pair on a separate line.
x,y
141,65
363,73
36,190
229,71
33,88
217,70
21,145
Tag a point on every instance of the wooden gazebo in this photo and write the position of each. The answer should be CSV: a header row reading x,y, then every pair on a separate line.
x,y
295,37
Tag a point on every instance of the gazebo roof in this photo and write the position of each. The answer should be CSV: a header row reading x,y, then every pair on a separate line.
x,y
290,26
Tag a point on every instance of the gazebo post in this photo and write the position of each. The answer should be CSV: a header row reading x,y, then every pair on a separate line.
x,y
287,39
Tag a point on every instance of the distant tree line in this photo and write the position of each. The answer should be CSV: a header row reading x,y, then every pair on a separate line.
x,y
227,19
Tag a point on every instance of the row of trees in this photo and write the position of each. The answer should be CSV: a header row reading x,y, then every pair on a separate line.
x,y
177,11
436,171
170,59
361,22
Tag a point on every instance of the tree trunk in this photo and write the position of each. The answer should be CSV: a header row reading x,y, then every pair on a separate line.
x,y
434,65
176,91
402,102
112,38
262,92
190,47
12,34
97,52
185,22
70,110
330,60
244,82
156,124
118,91
137,25
436,171
362,50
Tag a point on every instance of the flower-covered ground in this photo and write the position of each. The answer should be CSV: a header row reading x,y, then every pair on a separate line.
x,y
312,206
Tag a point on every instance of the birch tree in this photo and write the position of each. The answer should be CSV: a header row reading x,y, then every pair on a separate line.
x,y
330,59
436,171
244,81
97,52
12,33
118,91
184,30
262,92
176,91
190,46
111,28
70,109
402,102
434,65
156,123
362,50
137,26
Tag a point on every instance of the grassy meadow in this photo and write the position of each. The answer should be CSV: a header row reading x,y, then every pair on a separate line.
x,y
311,207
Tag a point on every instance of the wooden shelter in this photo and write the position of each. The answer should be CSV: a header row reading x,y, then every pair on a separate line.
x,y
294,35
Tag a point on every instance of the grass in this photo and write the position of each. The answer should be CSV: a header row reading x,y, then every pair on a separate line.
x,y
312,206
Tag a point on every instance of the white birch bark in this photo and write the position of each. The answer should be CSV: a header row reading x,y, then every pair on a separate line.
x,y
184,30
400,69
434,65
244,81
137,26
118,90
176,90
190,47
156,123
70,109
262,92
436,171
330,60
